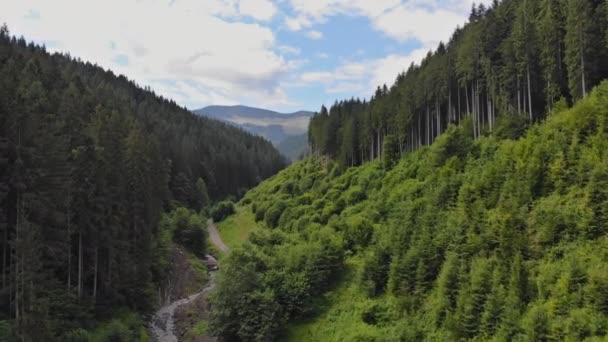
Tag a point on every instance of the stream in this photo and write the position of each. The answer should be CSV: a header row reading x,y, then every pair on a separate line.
x,y
162,324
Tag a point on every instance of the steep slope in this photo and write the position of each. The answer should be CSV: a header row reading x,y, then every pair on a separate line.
x,y
501,237
278,128
88,163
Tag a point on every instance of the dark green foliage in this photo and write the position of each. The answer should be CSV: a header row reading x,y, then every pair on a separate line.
x,y
511,127
88,162
511,62
272,215
390,152
222,210
189,230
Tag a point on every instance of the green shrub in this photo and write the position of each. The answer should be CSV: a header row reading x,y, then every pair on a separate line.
x,y
128,328
78,335
355,195
273,214
6,332
222,210
260,212
189,231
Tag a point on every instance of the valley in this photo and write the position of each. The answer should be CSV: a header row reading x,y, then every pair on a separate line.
x,y
452,186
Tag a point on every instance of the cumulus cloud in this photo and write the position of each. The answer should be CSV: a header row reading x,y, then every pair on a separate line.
x,y
427,21
315,35
360,78
189,50
297,23
289,50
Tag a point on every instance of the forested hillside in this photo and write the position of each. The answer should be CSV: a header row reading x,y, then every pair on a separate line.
x,y
89,162
471,238
465,202
516,57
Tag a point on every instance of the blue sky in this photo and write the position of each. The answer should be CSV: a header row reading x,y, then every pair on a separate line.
x,y
283,55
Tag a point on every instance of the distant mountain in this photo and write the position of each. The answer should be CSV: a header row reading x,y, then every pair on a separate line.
x,y
287,131
294,146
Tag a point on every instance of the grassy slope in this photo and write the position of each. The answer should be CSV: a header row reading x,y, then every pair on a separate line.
x,y
540,197
236,229
338,315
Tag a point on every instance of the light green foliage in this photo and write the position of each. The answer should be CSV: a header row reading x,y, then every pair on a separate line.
x,y
235,229
501,238
201,328
128,327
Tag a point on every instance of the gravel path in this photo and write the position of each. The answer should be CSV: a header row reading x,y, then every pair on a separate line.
x,y
215,237
162,325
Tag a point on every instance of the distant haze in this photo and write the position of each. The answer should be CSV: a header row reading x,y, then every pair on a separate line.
x,y
287,131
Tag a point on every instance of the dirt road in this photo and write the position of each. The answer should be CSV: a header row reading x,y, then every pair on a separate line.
x,y
215,237
162,324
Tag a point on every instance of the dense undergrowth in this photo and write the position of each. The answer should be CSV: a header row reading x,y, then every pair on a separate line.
x,y
501,238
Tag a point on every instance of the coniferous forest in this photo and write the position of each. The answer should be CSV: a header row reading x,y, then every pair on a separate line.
x,y
89,162
468,201
516,58
465,202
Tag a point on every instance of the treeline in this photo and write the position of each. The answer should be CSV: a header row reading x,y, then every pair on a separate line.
x,y
517,57
487,239
89,161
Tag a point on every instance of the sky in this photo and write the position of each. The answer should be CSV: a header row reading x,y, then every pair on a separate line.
x,y
284,55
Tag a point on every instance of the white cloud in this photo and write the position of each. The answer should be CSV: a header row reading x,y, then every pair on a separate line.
x,y
429,27
428,21
361,78
315,35
257,9
347,88
184,49
297,23
289,50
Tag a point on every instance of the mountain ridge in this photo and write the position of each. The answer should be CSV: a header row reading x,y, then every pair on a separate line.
x,y
276,127
215,110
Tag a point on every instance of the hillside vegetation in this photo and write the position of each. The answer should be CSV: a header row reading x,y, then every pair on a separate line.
x,y
512,57
88,163
497,238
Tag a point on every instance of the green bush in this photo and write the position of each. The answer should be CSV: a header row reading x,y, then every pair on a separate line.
x,y
6,332
78,335
189,231
273,214
355,195
222,210
128,328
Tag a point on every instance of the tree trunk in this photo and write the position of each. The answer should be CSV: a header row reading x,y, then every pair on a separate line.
x,y
79,263
518,97
529,92
428,125
379,151
450,112
466,93
69,237
581,42
4,256
95,273
459,107
438,113
473,116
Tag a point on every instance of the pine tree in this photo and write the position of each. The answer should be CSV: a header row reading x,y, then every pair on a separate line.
x,y
551,41
577,46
